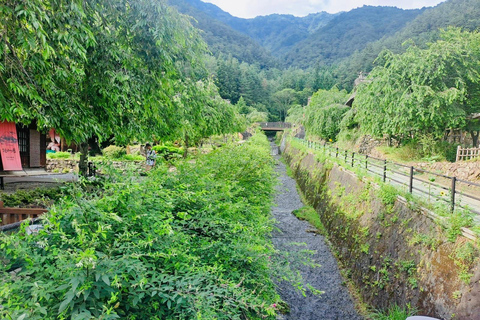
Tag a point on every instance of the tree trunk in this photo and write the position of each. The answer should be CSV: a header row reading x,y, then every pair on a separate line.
x,y
185,153
475,135
82,165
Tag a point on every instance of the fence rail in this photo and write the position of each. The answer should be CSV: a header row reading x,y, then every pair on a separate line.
x,y
456,192
14,215
275,125
467,153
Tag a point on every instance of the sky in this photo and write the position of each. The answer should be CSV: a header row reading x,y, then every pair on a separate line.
x,y
253,8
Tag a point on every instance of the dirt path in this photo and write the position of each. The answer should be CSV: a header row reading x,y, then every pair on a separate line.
x,y
336,302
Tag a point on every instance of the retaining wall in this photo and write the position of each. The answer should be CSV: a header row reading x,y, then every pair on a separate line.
x,y
395,254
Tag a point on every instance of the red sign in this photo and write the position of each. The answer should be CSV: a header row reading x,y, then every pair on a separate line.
x,y
9,146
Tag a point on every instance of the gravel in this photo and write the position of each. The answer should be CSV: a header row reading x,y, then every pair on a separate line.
x,y
335,302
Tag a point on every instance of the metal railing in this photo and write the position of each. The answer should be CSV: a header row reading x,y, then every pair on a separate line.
x,y
275,125
456,192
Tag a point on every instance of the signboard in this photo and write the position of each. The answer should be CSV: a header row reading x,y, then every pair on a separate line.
x,y
9,146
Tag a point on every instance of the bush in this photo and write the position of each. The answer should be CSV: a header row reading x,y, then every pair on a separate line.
x,y
194,246
40,197
167,151
133,157
114,152
59,155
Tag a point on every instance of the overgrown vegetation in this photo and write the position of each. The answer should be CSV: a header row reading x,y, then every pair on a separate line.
x,y
39,197
185,245
394,313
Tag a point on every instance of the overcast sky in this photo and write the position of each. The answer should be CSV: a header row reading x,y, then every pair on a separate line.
x,y
253,8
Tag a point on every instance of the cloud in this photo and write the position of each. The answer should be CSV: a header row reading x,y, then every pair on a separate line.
x,y
253,8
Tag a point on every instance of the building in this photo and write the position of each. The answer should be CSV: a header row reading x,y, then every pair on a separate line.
x,y
29,142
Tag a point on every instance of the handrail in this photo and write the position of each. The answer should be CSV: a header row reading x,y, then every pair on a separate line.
x,y
366,162
281,125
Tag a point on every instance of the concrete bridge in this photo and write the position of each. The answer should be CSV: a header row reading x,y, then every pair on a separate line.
x,y
274,126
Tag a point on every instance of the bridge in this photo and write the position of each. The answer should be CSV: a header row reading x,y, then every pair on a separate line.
x,y
274,126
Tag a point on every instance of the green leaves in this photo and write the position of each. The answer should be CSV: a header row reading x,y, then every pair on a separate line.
x,y
423,91
183,245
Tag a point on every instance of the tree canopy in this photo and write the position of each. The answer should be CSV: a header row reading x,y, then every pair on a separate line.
x,y
100,67
423,91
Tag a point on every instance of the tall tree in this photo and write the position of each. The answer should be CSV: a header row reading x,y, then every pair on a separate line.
x,y
423,91
284,100
95,67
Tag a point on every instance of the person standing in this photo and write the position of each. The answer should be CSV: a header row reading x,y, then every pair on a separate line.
x,y
151,156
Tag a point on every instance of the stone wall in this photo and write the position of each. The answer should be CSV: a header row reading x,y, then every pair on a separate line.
x,y
395,253
71,165
61,165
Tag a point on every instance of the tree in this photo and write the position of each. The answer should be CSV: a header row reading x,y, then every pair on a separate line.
x,y
95,67
325,112
283,101
423,91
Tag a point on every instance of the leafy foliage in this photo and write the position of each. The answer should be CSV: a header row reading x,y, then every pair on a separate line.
x,y
39,197
423,91
325,112
185,245
114,152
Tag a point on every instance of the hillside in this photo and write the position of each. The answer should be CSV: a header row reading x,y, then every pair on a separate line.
x,y
277,33
221,38
347,33
423,29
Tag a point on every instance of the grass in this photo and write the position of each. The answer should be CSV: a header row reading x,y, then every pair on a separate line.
x,y
406,153
309,214
393,313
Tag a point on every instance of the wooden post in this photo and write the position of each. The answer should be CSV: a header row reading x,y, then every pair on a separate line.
x,y
459,149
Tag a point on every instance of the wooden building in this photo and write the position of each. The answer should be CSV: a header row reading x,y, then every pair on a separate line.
x,y
31,146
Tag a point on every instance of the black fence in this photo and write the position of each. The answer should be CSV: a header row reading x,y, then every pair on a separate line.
x,y
454,191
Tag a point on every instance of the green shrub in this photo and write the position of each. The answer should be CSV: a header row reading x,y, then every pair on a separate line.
x,y
133,157
168,151
114,152
388,194
39,197
59,155
194,246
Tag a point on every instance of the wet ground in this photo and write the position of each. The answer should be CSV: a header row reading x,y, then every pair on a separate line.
x,y
335,303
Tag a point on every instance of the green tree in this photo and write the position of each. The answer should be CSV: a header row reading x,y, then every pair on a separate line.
x,y
423,91
284,100
95,67
325,112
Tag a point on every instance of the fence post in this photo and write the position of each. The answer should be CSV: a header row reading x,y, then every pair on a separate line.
x,y
336,154
458,153
366,162
410,189
454,185
353,159
346,154
385,171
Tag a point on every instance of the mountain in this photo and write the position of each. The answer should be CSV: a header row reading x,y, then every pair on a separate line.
x,y
221,38
421,30
276,32
348,32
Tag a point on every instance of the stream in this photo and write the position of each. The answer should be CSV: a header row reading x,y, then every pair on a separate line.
x,y
336,302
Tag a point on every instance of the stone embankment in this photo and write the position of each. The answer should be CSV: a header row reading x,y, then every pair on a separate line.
x,y
395,251
71,165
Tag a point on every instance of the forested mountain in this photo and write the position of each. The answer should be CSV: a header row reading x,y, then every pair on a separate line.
x,y
277,32
347,33
221,38
422,30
